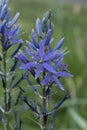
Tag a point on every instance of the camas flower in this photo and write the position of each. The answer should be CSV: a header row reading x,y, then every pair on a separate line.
x,y
40,57
11,37
9,32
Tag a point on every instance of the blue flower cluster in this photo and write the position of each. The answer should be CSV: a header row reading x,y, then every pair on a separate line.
x,y
40,57
9,32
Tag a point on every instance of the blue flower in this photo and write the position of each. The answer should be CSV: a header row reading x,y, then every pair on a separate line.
x,y
9,32
45,60
55,78
40,59
47,63
11,37
21,55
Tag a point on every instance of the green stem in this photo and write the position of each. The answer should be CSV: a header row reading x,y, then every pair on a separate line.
x,y
4,83
44,109
4,79
6,124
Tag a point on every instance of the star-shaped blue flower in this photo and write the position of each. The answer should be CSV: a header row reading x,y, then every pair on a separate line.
x,y
45,61
39,59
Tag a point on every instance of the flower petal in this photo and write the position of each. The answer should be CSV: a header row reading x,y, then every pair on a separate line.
x,y
49,68
8,14
28,51
39,69
50,55
38,27
64,74
48,37
28,66
34,40
59,62
31,45
21,55
46,80
41,50
3,11
2,25
15,31
14,20
58,82
59,44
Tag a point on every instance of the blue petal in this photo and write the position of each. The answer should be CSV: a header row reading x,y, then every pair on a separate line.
x,y
15,30
46,80
31,45
34,40
51,40
22,57
59,62
59,44
38,27
2,25
58,55
8,15
31,54
39,69
48,37
3,11
28,52
41,50
28,65
49,56
14,20
58,82
64,74
49,68
14,41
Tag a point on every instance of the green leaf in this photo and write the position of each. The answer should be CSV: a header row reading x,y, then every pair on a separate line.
x,y
80,121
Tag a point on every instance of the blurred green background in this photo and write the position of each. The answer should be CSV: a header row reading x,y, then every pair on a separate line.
x,y
70,20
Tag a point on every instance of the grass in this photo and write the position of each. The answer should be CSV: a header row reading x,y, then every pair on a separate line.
x,y
70,22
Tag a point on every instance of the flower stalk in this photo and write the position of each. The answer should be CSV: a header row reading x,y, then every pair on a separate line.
x,y
44,113
4,86
9,33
